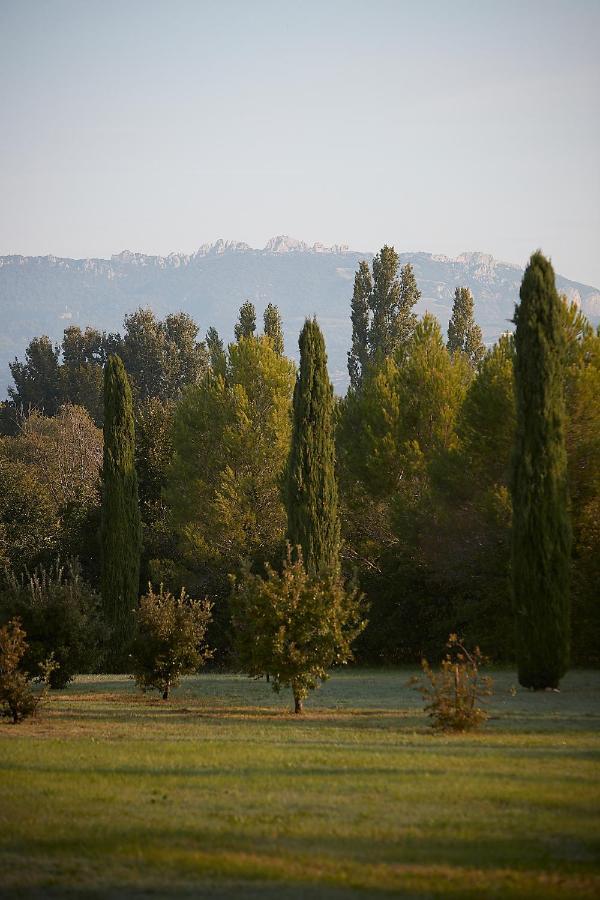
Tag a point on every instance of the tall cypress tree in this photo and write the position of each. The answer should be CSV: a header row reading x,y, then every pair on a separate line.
x,y
541,534
311,493
121,526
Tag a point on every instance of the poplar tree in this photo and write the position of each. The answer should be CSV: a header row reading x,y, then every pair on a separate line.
x,y
216,352
273,328
358,356
121,525
311,494
382,314
541,534
246,323
464,334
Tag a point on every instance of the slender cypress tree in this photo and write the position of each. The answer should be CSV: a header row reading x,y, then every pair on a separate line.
x,y
273,328
541,534
121,526
311,493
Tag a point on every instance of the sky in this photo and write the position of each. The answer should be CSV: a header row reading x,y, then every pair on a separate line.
x,y
159,125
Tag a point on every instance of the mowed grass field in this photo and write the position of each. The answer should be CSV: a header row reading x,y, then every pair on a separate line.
x,y
223,793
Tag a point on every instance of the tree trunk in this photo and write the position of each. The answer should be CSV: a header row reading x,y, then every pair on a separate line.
x,y
166,691
298,705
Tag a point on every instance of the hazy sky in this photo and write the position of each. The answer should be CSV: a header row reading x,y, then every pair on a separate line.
x,y
158,125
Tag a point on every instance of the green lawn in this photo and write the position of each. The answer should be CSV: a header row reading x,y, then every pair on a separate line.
x,y
222,792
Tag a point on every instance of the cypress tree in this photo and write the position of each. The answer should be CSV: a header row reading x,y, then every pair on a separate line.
x,y
121,526
273,328
541,535
311,493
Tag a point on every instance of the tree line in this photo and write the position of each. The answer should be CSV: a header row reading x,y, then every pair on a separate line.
x,y
444,485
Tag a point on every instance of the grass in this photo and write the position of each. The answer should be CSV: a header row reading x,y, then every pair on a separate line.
x,y
222,793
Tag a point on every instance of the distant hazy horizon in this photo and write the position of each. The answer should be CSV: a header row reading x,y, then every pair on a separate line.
x,y
157,127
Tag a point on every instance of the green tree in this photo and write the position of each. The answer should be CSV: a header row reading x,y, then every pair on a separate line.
x,y
382,312
295,626
169,639
121,526
37,380
311,492
273,328
541,534
29,520
231,437
161,357
359,355
61,615
216,352
464,335
246,324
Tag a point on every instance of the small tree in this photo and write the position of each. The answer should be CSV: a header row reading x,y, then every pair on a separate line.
x,y
295,626
61,616
454,692
18,700
169,639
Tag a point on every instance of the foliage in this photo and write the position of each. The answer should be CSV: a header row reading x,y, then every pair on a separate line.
x,y
37,380
169,639
541,532
381,312
121,525
295,625
29,521
61,616
230,438
18,700
216,352
453,693
273,328
311,491
162,357
464,334
246,325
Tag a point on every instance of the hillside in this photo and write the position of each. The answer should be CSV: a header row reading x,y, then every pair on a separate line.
x,y
43,295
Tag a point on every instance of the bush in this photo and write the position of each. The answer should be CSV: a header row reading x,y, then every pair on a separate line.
x,y
18,700
295,626
169,639
454,692
61,617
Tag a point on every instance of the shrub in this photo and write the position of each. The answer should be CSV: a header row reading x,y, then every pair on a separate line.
x,y
295,626
61,616
455,691
169,639
18,700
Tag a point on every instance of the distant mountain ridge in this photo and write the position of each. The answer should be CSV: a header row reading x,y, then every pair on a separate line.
x,y
45,294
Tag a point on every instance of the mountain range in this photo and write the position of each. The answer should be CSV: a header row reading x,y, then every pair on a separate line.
x,y
45,294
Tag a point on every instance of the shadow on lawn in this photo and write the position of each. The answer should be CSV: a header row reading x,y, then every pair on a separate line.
x,y
190,852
